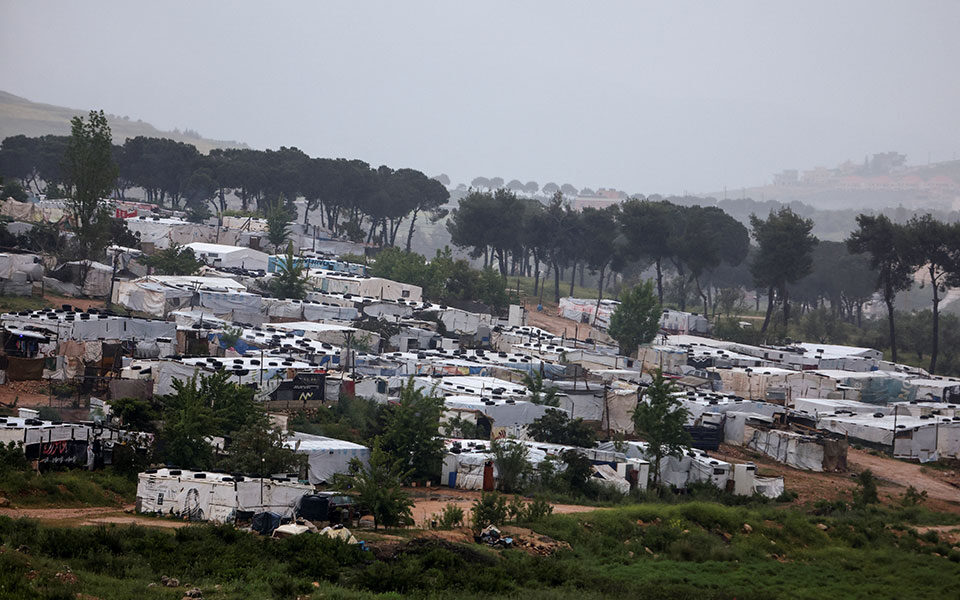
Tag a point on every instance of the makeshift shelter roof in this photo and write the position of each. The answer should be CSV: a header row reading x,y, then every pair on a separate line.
x,y
188,282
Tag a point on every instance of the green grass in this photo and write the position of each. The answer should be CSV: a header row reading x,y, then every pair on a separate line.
x,y
66,488
526,286
20,303
696,550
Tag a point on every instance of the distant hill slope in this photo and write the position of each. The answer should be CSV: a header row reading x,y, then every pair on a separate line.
x,y
21,116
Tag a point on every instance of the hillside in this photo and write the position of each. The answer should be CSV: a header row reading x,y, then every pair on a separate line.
x,y
21,116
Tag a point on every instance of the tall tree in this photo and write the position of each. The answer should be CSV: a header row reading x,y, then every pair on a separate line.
x,y
90,169
278,225
651,228
602,243
480,183
411,435
704,238
637,319
886,243
659,419
377,487
784,253
935,245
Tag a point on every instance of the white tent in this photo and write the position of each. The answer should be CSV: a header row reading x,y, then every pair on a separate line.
x,y
215,497
222,255
326,456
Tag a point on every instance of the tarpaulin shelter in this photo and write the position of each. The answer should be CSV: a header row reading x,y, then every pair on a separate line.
x,y
918,438
215,497
326,456
89,326
28,264
91,278
872,387
501,413
679,322
222,255
808,452
585,310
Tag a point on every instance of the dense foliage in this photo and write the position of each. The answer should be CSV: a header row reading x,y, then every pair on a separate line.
x,y
687,550
637,319
659,419
349,194
175,260
443,279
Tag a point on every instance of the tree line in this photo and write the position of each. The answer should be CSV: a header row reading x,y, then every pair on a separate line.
x,y
923,251
522,236
354,199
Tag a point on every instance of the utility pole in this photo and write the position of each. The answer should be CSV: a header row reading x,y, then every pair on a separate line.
x,y
893,441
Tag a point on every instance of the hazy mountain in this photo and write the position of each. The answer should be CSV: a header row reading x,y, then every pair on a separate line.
x,y
21,116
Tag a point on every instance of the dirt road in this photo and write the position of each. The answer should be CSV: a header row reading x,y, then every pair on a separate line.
x,y
942,486
894,476
93,515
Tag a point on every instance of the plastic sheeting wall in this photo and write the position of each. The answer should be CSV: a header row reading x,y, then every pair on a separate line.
x,y
792,449
213,499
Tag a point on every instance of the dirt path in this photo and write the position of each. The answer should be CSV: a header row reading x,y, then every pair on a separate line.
x,y
25,393
942,487
550,321
894,476
60,514
432,502
93,515
81,303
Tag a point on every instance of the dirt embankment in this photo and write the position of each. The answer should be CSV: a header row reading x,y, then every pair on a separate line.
x,y
894,477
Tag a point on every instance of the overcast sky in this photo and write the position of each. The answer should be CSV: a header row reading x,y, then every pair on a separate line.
x,y
646,97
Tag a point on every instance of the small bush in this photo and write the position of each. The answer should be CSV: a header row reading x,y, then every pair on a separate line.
x,y
537,509
866,491
913,497
12,457
490,509
450,517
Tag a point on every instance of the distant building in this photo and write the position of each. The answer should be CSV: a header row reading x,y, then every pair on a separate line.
x,y
817,176
786,177
602,198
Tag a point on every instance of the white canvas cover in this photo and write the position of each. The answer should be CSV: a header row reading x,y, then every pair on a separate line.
x,y
214,497
17,263
792,449
502,413
618,407
229,303
770,487
326,456
710,470
222,255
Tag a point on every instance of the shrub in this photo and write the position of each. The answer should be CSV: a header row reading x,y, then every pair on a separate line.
x,y
913,497
536,510
490,509
12,457
450,517
513,468
866,491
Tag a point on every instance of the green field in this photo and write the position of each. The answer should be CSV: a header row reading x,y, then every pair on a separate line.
x,y
694,550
